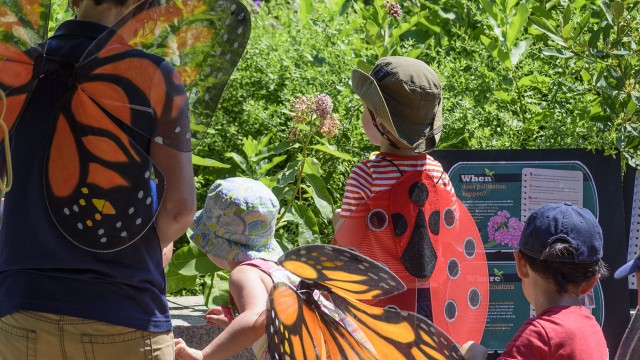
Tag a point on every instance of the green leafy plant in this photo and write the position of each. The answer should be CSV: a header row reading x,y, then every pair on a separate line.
x,y
314,122
383,23
509,23
598,46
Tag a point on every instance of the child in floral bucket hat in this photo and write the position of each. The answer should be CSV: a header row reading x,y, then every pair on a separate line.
x,y
238,221
236,230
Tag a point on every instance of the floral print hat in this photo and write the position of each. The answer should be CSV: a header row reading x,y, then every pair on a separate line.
x,y
238,221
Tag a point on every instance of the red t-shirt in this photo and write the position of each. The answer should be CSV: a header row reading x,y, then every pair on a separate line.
x,y
559,333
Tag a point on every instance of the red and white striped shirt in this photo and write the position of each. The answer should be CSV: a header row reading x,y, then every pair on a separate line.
x,y
376,174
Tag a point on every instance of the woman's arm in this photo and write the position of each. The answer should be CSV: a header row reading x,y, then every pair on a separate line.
x,y
178,205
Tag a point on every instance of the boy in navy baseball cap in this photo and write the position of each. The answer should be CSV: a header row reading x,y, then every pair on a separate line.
x,y
559,260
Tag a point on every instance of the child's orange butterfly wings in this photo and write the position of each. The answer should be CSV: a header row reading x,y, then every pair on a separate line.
x,y
323,319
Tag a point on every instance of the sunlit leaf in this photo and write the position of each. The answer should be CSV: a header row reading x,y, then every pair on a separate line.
x,y
549,51
288,175
250,146
535,80
490,10
495,50
545,26
517,23
321,197
620,52
519,50
503,95
308,219
191,261
567,30
177,281
216,291
510,5
406,25
312,166
240,161
329,150
268,166
197,160
306,9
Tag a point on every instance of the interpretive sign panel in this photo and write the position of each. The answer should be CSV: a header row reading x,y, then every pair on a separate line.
x,y
500,188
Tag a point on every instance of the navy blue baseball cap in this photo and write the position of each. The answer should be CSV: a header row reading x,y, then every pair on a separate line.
x,y
629,268
554,222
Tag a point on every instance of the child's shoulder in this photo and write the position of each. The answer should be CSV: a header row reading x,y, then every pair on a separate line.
x,y
250,268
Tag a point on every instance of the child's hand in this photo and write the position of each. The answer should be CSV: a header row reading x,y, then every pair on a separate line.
x,y
183,352
473,351
216,317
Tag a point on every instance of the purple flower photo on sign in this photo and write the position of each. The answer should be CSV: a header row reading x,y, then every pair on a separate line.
x,y
504,229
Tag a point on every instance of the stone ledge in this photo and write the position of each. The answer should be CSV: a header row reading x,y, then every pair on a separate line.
x,y
187,317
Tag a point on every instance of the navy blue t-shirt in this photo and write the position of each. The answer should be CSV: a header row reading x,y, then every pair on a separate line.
x,y
40,268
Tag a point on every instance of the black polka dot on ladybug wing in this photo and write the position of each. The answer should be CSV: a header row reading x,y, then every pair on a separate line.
x,y
474,298
450,310
434,222
418,193
453,268
449,217
470,247
400,224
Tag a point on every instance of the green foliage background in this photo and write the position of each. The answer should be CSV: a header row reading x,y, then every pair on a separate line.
x,y
516,74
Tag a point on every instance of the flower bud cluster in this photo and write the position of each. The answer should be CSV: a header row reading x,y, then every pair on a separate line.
x,y
393,9
306,109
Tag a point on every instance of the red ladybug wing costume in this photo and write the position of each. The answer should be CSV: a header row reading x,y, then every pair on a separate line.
x,y
426,236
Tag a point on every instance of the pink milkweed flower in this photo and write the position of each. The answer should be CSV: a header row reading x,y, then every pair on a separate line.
x,y
302,108
329,126
393,9
323,106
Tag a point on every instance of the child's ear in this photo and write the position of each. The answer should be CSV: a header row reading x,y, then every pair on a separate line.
x,y
588,285
521,265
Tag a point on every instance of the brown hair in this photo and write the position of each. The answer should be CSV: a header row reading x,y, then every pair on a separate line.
x,y
564,273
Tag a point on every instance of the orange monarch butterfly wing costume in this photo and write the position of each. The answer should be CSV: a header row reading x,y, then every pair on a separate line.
x,y
157,72
423,233
24,24
323,318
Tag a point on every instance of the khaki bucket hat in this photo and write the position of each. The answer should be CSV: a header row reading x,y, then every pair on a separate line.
x,y
406,95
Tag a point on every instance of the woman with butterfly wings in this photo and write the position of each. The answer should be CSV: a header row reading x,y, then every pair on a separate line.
x,y
99,115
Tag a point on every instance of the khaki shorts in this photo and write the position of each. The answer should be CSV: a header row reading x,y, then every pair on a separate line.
x,y
28,335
